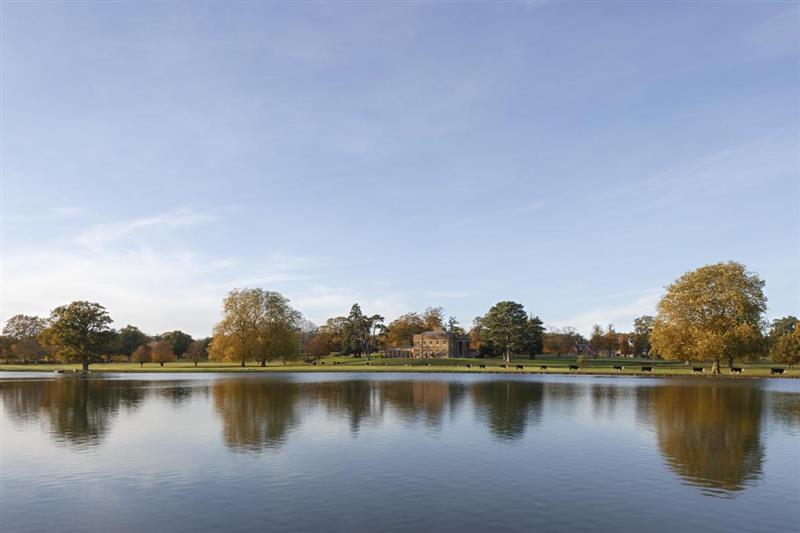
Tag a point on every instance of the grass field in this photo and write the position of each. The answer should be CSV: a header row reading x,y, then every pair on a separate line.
x,y
600,366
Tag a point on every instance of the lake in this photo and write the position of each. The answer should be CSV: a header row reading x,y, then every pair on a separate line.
x,y
397,452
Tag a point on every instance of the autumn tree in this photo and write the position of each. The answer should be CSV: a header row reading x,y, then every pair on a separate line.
x,y
79,332
318,346
786,348
401,331
142,354
713,312
24,332
161,352
333,328
433,318
196,351
129,339
256,325
24,326
505,326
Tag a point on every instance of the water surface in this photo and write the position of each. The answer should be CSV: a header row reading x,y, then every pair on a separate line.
x,y
397,452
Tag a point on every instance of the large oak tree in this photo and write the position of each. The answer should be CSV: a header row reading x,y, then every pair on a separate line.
x,y
713,312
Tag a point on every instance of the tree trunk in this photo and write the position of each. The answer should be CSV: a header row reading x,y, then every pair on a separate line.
x,y
730,362
263,363
141,364
715,368
242,363
85,365
195,364
162,364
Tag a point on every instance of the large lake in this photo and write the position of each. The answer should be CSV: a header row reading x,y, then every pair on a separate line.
x,y
397,452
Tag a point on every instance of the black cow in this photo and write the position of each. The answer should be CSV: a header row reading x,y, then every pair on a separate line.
x,y
543,367
618,367
573,367
647,369
774,371
520,367
483,366
697,370
736,370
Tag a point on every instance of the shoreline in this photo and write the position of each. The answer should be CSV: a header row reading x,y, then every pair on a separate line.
x,y
69,370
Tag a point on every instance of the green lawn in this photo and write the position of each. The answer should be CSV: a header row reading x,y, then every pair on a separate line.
x,y
601,366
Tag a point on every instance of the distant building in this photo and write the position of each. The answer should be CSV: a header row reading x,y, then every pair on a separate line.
x,y
433,344
404,351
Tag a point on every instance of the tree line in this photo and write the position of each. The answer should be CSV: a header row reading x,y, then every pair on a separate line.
x,y
712,313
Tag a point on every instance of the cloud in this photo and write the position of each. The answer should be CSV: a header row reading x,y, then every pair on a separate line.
x,y
68,211
111,231
156,287
621,315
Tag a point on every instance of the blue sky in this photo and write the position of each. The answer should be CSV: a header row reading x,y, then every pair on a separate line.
x,y
574,157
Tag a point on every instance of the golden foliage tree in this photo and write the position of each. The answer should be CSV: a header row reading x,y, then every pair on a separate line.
x,y
161,352
713,312
256,325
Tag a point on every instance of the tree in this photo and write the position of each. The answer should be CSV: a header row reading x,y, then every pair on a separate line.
x,y
453,327
786,348
597,340
130,338
357,330
376,329
534,337
196,351
161,352
23,332
505,326
24,326
713,312
178,341
256,324
79,332
142,354
433,318
334,329
318,346
642,329
401,330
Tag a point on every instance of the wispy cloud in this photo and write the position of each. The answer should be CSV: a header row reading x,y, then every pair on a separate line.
x,y
68,211
111,231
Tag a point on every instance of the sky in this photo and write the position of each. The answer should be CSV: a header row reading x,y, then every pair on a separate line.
x,y
575,157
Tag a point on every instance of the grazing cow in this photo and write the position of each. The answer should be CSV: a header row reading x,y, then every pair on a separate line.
x,y
367,363
736,370
618,367
520,367
469,366
543,367
774,371
697,370
504,366
647,369
322,362
483,366
336,362
573,367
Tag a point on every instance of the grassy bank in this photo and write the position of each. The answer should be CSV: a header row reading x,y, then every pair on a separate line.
x,y
601,366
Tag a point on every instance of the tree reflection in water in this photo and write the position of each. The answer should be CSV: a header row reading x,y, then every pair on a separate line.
x,y
256,414
710,435
508,406
79,411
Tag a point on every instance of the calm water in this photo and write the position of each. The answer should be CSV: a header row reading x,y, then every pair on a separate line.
x,y
394,452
